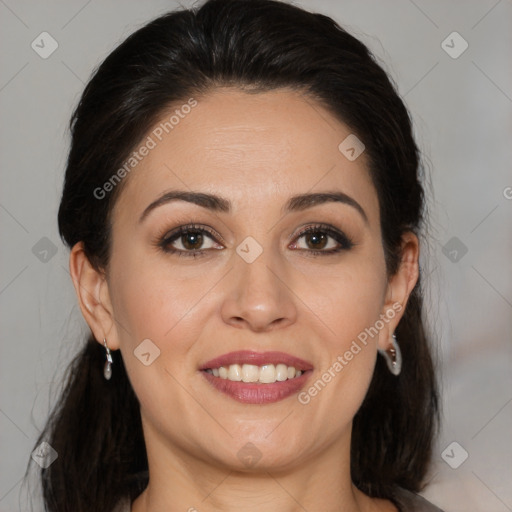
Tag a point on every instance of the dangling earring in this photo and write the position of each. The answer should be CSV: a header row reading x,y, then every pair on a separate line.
x,y
107,370
393,357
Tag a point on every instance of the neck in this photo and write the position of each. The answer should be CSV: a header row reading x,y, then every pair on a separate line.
x,y
178,481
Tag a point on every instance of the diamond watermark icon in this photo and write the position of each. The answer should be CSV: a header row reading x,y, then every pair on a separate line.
x,y
146,352
44,250
44,455
454,249
454,455
351,147
249,249
454,45
249,455
44,45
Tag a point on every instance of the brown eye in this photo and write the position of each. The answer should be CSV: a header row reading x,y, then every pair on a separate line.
x,y
316,240
324,240
192,240
188,241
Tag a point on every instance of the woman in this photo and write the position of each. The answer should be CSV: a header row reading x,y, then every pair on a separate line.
x,y
243,204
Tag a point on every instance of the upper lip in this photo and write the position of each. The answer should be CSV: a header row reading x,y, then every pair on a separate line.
x,y
257,359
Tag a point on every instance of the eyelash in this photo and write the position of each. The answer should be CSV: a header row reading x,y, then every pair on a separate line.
x,y
165,241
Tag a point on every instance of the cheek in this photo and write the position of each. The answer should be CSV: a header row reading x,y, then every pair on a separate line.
x,y
349,304
337,390
152,303
354,310
348,298
357,305
168,313
150,300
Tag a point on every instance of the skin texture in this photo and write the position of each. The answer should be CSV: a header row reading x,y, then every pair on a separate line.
x,y
256,150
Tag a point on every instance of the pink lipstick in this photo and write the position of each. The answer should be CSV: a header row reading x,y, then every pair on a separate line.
x,y
287,374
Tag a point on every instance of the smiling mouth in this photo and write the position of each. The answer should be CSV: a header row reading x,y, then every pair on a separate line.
x,y
249,373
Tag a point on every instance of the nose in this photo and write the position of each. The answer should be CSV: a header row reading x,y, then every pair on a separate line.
x,y
259,295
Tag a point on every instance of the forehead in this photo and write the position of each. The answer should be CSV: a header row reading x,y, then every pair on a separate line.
x,y
256,149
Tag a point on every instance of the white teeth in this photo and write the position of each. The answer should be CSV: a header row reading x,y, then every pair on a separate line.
x,y
281,372
235,372
265,374
250,373
268,374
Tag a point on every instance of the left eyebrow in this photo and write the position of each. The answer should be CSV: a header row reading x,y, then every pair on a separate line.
x,y
216,203
303,201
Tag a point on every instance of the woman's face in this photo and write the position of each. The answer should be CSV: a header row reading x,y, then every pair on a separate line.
x,y
255,283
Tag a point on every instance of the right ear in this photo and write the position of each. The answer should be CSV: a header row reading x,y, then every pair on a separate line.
x,y
93,296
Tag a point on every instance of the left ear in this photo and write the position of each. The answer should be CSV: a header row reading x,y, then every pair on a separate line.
x,y
399,288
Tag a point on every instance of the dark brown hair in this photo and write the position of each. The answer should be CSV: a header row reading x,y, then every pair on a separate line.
x,y
257,45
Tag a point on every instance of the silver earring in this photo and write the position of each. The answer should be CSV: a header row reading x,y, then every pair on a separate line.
x,y
393,357
107,370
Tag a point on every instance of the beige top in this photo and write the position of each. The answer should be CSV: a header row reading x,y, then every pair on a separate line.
x,y
404,500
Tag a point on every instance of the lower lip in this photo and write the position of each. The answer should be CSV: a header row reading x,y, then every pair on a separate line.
x,y
252,393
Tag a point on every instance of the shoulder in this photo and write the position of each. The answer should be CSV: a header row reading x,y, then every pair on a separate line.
x,y
407,501
123,505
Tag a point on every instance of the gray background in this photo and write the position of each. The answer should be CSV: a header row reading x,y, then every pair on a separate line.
x,y
462,113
